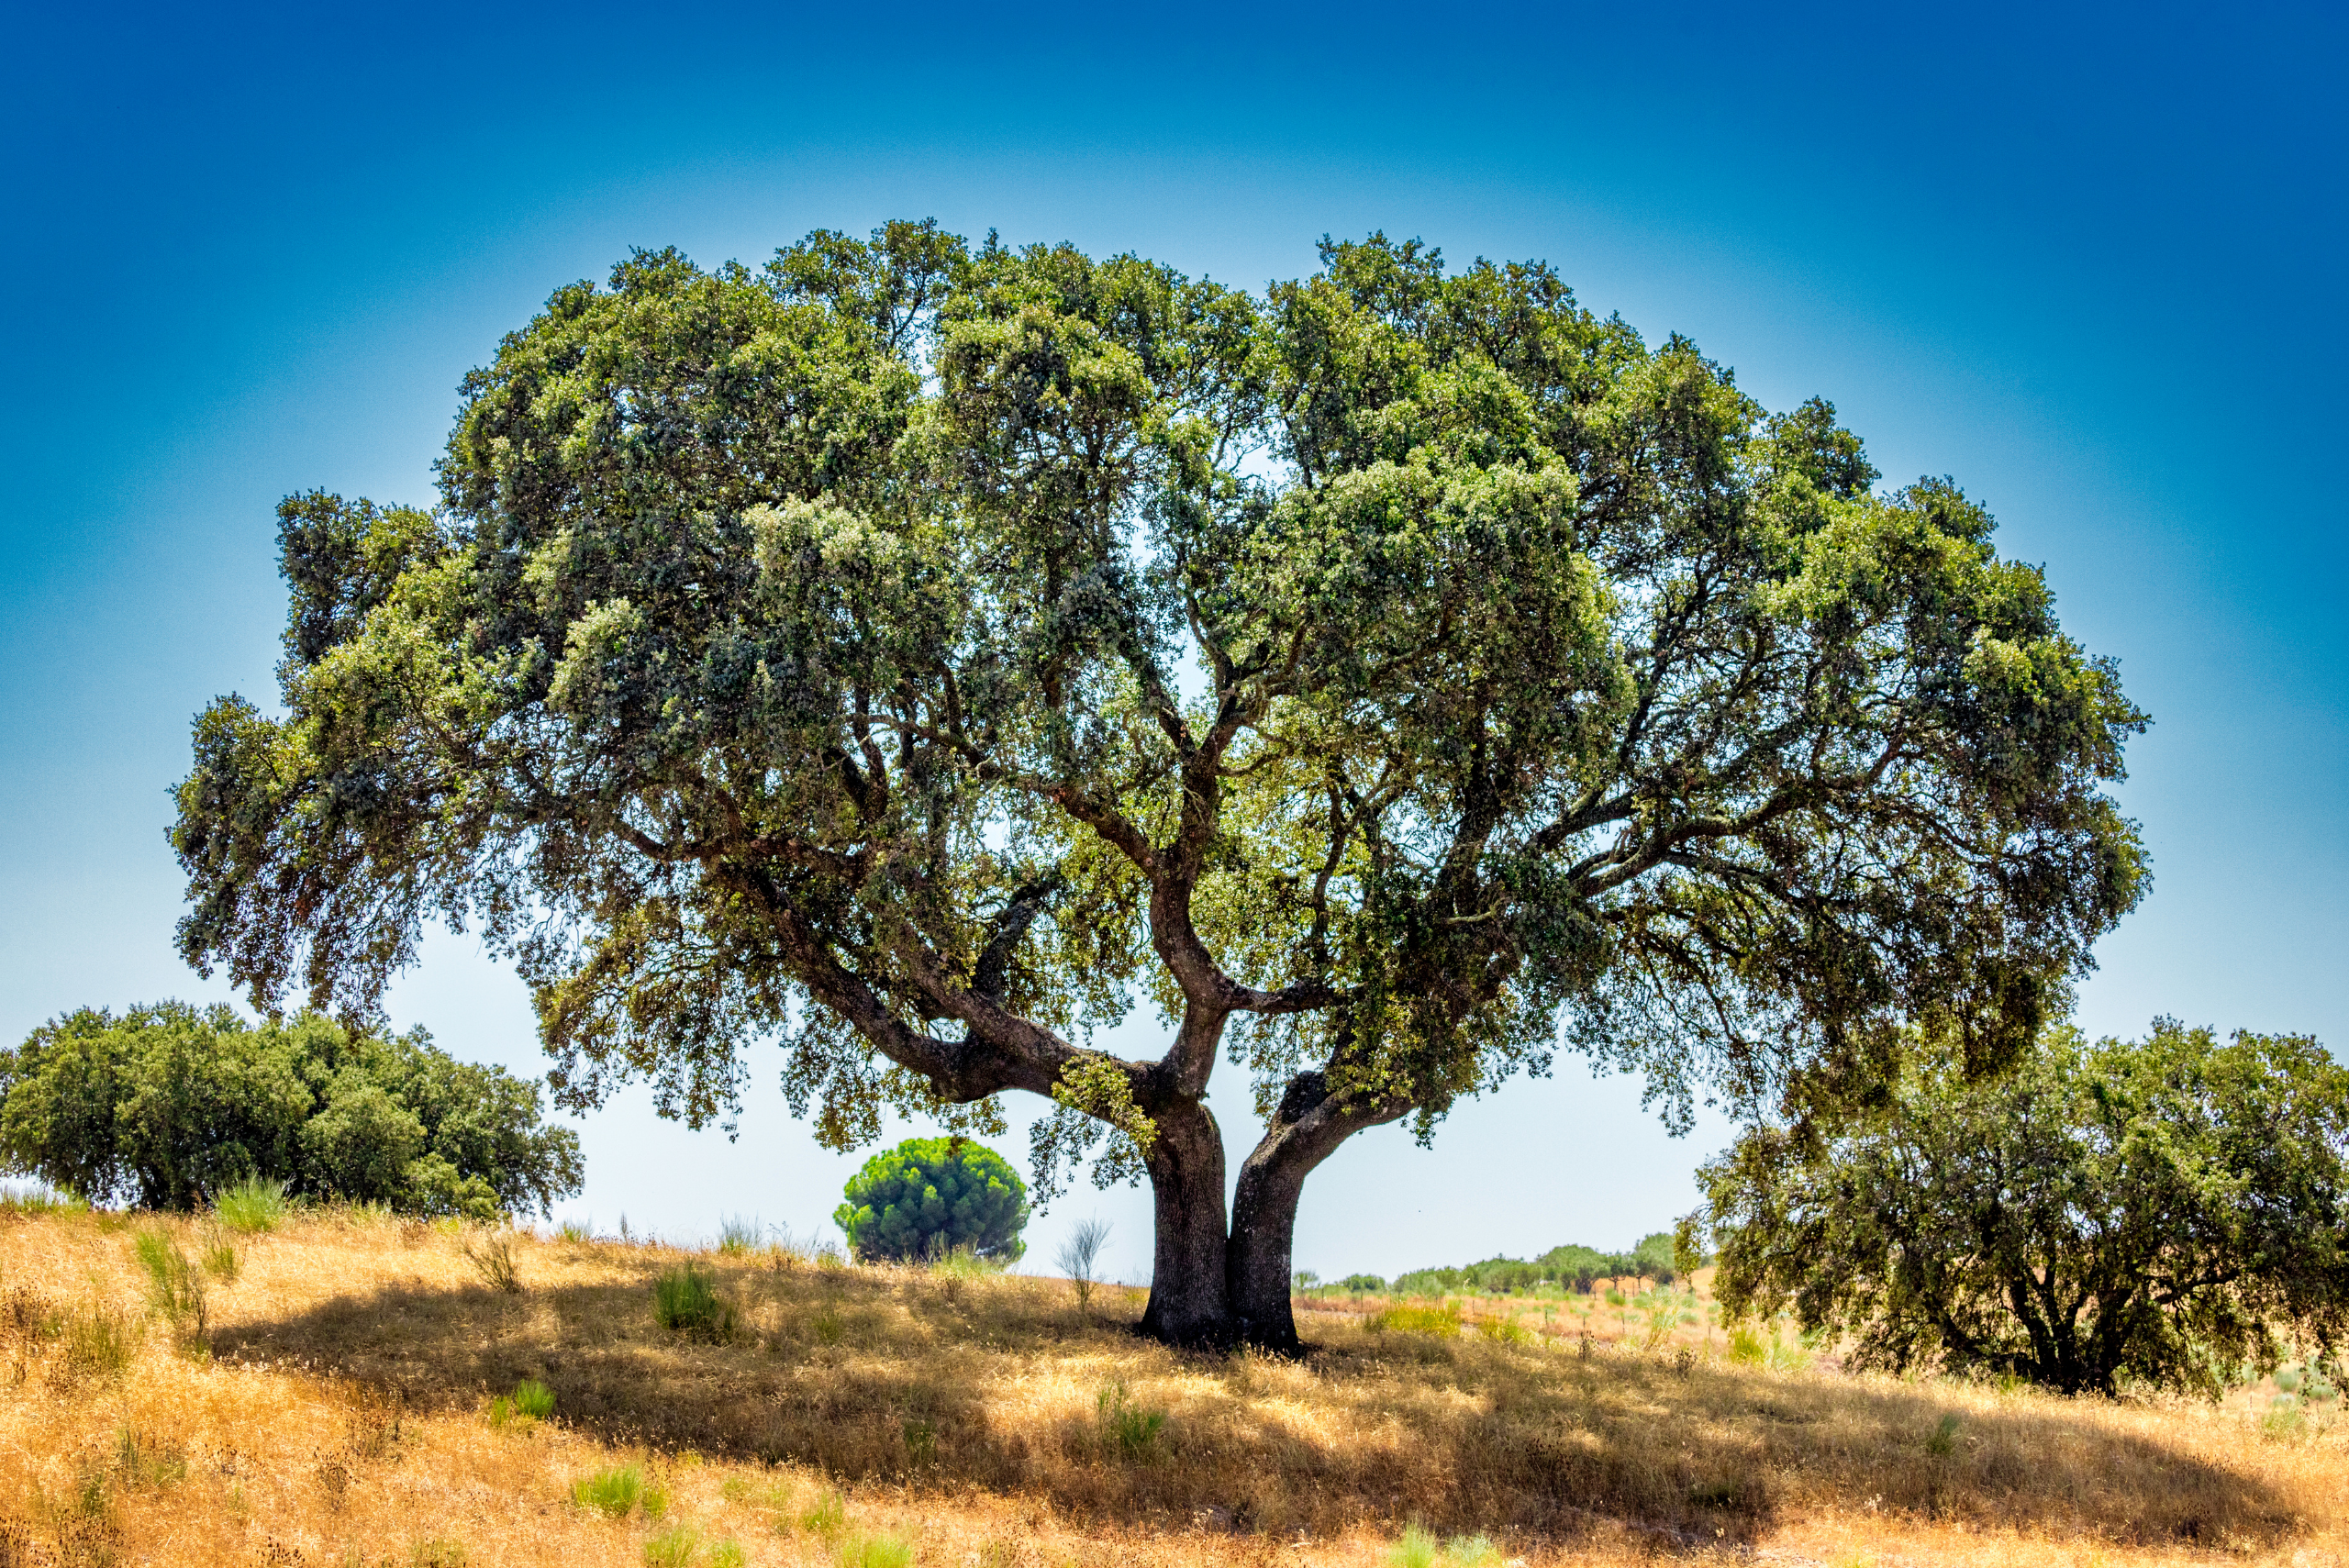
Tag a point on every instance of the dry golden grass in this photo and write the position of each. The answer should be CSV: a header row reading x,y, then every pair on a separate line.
x,y
341,1419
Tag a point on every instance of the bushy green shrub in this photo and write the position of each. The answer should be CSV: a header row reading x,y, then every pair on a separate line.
x,y
168,1106
929,1195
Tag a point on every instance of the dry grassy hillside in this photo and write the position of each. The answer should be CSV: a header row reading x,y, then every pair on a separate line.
x,y
338,1410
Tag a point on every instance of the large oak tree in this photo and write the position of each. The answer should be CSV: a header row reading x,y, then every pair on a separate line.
x,y
918,653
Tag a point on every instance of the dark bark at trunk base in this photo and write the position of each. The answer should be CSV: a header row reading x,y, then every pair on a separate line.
x,y
1189,1304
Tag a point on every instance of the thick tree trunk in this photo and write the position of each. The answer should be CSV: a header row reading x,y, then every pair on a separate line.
x,y
1307,1129
1189,1304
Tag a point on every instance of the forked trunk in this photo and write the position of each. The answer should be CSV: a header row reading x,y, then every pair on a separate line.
x,y
1307,1129
1189,1304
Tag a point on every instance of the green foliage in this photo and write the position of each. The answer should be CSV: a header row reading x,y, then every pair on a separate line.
x,y
168,1106
534,1399
929,1195
915,650
738,1235
2164,1212
1361,1285
684,1302
97,1341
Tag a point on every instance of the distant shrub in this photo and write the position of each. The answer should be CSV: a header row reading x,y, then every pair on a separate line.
x,y
928,1197
1363,1284
1504,1331
492,1260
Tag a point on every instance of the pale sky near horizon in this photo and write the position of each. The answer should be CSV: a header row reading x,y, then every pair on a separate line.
x,y
2086,260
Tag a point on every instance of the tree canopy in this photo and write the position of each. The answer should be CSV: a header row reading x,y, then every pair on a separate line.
x,y
2170,1213
928,1196
919,655
167,1104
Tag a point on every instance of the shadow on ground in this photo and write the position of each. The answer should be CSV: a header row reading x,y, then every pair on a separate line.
x,y
1002,1385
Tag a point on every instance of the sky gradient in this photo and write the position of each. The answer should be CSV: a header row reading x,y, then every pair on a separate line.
x,y
2086,261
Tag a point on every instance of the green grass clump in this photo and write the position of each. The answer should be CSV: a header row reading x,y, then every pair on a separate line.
x,y
884,1548
674,1546
826,1517
1129,1427
440,1551
534,1399
684,1302
97,1341
738,1235
1417,1549
251,1206
1504,1331
1444,1322
619,1491
174,1284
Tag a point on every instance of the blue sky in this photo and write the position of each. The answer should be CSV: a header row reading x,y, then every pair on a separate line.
x,y
2088,261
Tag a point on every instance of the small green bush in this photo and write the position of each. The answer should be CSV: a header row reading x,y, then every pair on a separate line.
x,y
221,1259
251,1206
684,1302
726,1554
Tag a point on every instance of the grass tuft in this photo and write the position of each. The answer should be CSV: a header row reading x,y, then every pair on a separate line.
x,y
96,1344
882,1549
1442,1322
684,1302
616,1492
492,1260
678,1545
251,1206
174,1284
1130,1429
824,1518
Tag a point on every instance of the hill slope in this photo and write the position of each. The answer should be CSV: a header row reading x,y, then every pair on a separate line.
x,y
342,1416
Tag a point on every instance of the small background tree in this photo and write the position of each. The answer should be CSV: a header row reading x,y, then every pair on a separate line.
x,y
2168,1213
930,1197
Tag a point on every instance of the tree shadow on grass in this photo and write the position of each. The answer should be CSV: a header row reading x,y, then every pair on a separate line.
x,y
1002,1385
